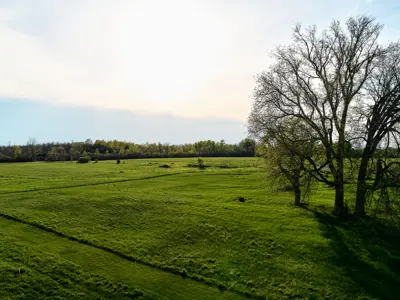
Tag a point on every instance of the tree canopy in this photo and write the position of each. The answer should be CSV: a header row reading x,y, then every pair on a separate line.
x,y
345,86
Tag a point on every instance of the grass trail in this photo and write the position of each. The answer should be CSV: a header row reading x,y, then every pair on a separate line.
x,y
90,184
155,283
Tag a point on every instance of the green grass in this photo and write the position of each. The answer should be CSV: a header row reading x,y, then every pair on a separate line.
x,y
181,233
27,273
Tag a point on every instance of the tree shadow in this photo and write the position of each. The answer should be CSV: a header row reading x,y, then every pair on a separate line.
x,y
367,250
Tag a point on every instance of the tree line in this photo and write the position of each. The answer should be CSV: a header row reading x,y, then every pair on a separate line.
x,y
106,150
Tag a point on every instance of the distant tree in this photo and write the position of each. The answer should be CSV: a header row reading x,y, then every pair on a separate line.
x,y
248,146
32,148
221,147
53,154
78,147
74,153
160,149
17,153
166,147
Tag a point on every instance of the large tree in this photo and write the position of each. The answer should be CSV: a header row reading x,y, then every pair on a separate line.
x,y
321,78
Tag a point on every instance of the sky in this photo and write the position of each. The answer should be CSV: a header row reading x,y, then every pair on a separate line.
x,y
145,70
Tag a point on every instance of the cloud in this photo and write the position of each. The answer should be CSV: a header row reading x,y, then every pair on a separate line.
x,y
181,57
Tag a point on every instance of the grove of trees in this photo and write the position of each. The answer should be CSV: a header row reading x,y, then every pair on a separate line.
x,y
326,96
103,150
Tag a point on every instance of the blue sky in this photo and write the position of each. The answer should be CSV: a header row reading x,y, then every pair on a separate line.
x,y
141,70
49,123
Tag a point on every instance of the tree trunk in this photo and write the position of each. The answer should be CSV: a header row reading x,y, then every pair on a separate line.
x,y
297,195
339,199
339,174
361,187
339,189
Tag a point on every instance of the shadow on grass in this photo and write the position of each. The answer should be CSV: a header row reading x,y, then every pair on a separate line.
x,y
368,251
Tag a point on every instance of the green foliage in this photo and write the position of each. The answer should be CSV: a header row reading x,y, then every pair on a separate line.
x,y
83,160
200,163
17,153
113,150
5,158
286,149
248,146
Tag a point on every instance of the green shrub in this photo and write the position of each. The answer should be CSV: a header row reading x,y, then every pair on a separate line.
x,y
83,160
241,199
5,158
200,163
118,161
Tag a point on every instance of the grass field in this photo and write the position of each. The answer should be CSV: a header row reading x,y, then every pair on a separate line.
x,y
137,230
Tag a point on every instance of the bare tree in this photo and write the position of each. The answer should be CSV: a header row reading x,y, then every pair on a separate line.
x,y
385,189
378,119
319,79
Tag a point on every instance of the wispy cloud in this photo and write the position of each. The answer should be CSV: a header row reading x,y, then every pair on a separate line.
x,y
182,57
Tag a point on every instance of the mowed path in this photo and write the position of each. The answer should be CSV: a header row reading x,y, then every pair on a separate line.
x,y
153,282
107,262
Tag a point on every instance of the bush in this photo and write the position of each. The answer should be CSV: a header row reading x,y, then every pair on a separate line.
x,y
5,158
200,163
96,160
118,161
83,160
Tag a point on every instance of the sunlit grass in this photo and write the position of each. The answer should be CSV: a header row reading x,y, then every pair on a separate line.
x,y
190,222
